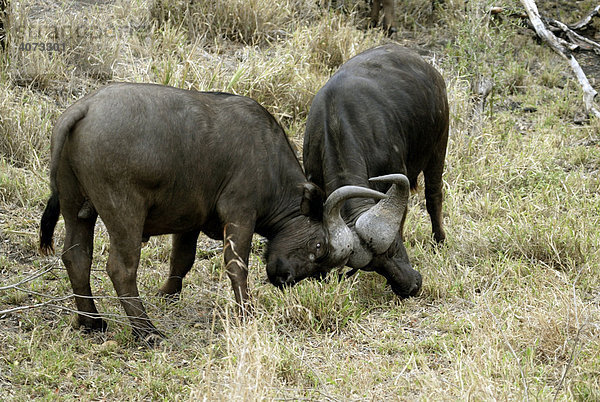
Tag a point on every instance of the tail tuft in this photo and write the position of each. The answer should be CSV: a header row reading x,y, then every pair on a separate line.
x,y
48,223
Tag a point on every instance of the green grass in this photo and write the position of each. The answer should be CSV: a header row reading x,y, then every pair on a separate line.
x,y
509,307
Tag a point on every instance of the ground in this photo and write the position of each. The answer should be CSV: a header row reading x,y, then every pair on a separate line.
x,y
510,303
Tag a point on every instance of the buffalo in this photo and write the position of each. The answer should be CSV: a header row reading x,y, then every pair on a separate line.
x,y
389,19
384,112
151,160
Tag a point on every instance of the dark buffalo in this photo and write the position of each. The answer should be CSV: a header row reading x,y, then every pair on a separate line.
x,y
385,112
152,160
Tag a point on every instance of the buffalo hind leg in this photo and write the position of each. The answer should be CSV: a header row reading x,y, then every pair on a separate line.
x,y
375,7
237,240
77,257
125,230
434,196
389,17
183,255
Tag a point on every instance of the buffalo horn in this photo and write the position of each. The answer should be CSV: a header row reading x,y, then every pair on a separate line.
x,y
341,239
379,226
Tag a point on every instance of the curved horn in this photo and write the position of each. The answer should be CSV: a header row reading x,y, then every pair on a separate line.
x,y
379,226
341,239
361,255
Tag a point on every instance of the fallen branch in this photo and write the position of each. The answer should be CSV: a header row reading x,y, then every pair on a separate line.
x,y
589,93
36,275
576,39
587,19
564,49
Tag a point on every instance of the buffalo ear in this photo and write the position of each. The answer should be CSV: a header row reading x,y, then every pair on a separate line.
x,y
312,201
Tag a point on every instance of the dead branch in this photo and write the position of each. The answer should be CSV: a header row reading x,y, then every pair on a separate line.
x,y
589,93
539,27
32,306
585,21
564,49
36,275
577,40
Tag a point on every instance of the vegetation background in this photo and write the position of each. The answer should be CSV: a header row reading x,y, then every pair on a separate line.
x,y
510,306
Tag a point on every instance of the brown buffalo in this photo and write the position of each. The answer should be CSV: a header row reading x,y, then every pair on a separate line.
x,y
151,160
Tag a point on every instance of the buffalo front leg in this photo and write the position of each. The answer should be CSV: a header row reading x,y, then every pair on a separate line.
x,y
433,194
237,240
183,255
77,257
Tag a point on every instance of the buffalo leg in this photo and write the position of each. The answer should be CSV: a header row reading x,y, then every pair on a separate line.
x,y
77,257
434,197
237,240
183,255
388,16
375,7
125,230
78,249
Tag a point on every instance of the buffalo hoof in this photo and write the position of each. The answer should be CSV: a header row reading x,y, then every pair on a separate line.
x,y
153,340
89,324
439,237
390,31
245,311
150,337
169,297
171,289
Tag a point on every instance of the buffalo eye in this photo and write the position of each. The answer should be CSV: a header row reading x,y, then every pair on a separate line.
x,y
318,250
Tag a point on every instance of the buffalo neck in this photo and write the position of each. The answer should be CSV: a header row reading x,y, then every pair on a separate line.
x,y
283,210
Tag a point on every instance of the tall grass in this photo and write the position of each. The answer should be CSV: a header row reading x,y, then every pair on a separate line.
x,y
509,307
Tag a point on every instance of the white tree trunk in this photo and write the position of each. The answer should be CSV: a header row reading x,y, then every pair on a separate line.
x,y
563,48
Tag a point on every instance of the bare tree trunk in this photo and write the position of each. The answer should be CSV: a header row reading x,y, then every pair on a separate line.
x,y
564,49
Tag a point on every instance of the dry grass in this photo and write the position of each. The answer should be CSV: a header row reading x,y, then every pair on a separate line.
x,y
509,307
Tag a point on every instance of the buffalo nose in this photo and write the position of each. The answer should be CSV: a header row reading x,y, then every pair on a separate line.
x,y
409,288
414,290
282,279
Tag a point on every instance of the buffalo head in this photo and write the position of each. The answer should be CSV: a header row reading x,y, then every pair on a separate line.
x,y
312,243
378,242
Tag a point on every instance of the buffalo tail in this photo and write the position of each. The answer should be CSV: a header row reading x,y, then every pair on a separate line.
x,y
48,223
